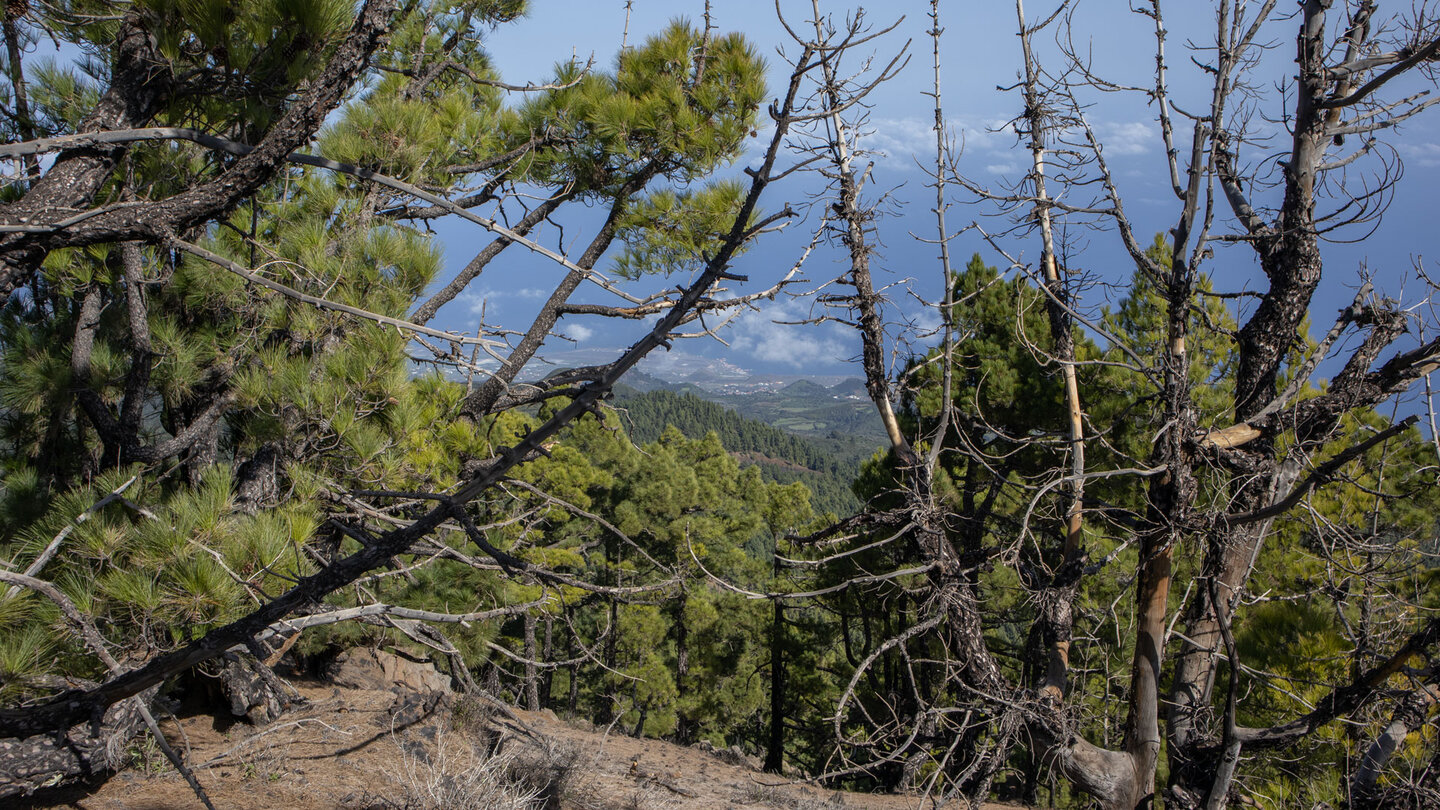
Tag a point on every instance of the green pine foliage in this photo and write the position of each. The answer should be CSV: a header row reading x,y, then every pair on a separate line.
x,y
151,577
1355,572
674,232
280,410
682,656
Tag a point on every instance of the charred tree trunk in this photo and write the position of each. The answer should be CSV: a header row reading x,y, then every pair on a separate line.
x,y
775,750
32,763
257,481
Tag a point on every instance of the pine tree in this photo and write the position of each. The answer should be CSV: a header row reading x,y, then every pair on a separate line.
x,y
219,387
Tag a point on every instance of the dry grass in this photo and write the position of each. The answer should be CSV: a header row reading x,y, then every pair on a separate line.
x,y
453,775
775,796
346,749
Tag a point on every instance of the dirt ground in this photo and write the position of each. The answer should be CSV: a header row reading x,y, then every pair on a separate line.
x,y
372,749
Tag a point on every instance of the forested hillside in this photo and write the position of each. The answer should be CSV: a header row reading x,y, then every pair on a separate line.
x,y
781,456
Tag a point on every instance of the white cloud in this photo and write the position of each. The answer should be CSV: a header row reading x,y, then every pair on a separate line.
x,y
899,142
476,302
925,322
758,335
908,142
988,142
488,300
754,148
989,136
577,332
1426,155
660,362
1127,137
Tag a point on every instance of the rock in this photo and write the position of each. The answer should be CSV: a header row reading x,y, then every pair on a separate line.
x,y
415,750
364,668
735,756
411,708
254,691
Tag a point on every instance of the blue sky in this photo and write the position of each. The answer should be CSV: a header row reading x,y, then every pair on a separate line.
x,y
980,53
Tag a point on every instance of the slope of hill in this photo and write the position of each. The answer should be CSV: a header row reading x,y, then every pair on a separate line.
x,y
376,749
781,456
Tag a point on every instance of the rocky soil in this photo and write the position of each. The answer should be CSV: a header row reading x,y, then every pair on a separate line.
x,y
380,733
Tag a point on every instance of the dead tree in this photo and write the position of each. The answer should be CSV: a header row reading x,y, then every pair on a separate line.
x,y
1210,490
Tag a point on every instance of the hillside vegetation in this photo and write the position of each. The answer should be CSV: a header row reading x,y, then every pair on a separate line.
x,y
782,457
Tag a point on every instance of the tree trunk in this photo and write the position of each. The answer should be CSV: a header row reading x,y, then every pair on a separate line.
x,y
45,760
684,724
139,85
257,481
532,676
1409,716
547,654
775,750
254,691
572,700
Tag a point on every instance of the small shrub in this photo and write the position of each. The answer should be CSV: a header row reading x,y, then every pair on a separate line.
x,y
457,776
144,755
554,774
471,715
